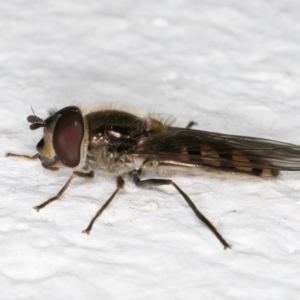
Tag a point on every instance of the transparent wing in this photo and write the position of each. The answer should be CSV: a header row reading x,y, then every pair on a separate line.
x,y
201,148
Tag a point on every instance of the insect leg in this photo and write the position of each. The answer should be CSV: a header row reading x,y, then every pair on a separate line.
x,y
75,173
22,156
120,185
200,216
191,124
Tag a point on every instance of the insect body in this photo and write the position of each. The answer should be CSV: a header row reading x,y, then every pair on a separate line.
x,y
127,145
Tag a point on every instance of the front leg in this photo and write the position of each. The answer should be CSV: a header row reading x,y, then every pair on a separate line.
x,y
75,173
158,182
33,157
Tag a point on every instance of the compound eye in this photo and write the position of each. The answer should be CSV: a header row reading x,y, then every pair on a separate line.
x,y
67,137
40,145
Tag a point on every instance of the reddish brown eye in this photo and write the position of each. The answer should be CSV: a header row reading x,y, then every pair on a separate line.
x,y
67,137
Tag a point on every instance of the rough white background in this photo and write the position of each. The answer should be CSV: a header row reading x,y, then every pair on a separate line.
x,y
232,66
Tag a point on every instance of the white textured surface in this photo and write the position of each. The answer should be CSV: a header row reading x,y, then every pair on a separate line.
x,y
231,66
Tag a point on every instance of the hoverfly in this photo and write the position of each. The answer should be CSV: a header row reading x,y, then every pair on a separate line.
x,y
127,145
